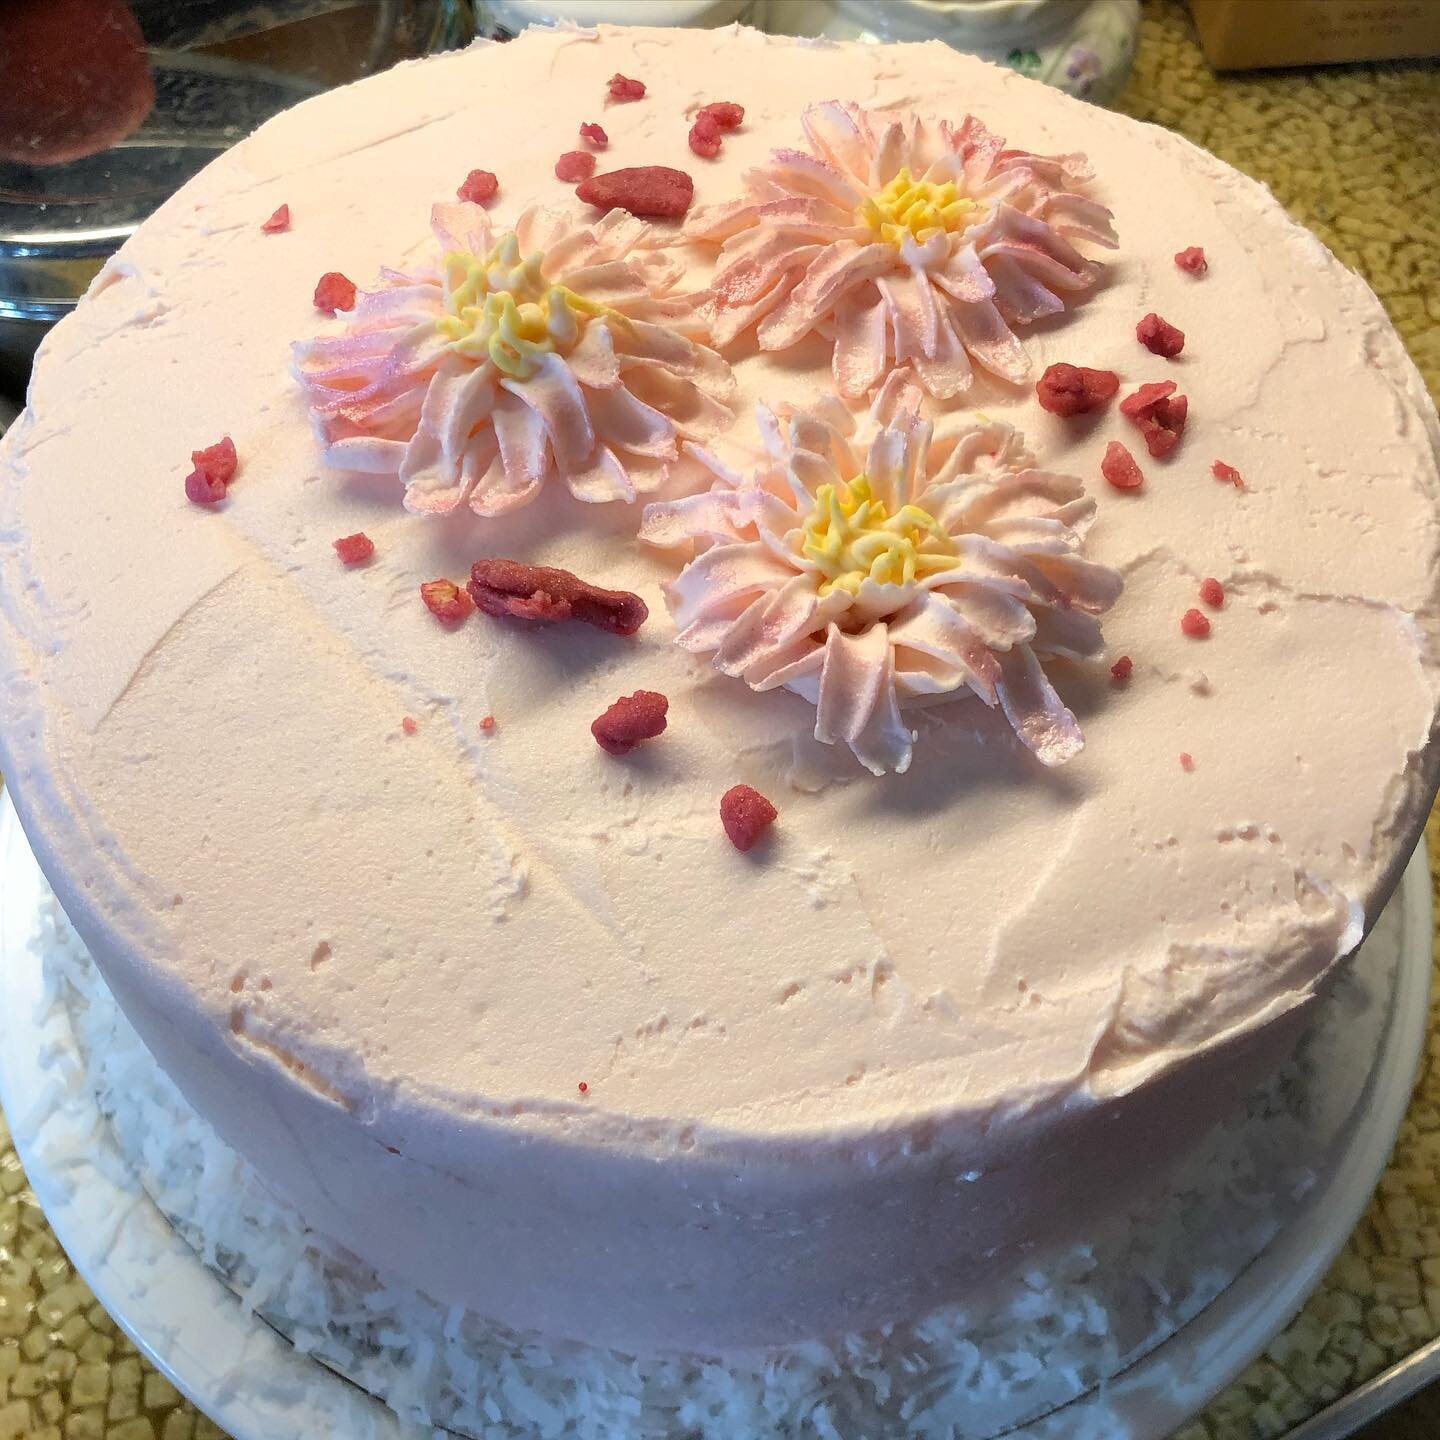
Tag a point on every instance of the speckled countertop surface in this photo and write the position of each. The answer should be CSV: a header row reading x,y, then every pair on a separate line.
x,y
1354,153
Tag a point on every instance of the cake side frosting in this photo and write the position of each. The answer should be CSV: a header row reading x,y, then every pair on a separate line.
x,y
422,943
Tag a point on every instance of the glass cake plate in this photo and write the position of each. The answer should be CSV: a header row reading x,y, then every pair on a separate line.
x,y
252,1381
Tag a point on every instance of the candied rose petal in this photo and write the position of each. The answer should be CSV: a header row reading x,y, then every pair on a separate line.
x,y
631,719
705,138
1074,389
746,815
550,595
725,113
648,190
354,549
622,87
1187,761
1159,336
1212,592
1192,261
334,292
1120,469
594,134
479,186
1159,414
409,725
446,600
1122,669
1228,473
1195,623
575,165
279,221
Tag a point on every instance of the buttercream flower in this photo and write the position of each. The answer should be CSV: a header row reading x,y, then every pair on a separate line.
x,y
903,240
550,350
866,566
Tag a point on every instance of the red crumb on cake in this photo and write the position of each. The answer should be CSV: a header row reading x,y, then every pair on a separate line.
x,y
1192,261
215,467
1159,336
1228,474
584,1088
512,589
354,549
725,113
622,87
648,190
594,134
334,292
1122,669
279,221
746,815
1074,389
629,721
1195,623
480,187
575,165
487,723
446,600
1120,469
705,136
1212,592
1159,414
409,725
1187,761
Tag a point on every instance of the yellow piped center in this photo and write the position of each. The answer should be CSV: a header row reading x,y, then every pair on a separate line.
x,y
501,308
852,537
918,208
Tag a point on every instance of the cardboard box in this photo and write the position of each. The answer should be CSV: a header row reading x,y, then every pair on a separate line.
x,y
1249,34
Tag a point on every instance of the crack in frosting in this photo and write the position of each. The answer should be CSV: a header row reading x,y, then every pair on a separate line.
x,y
555,350
864,564
903,240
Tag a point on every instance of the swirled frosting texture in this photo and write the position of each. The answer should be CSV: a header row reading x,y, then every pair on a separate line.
x,y
939,975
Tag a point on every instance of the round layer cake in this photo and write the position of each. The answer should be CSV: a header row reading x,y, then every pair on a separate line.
x,y
1097,718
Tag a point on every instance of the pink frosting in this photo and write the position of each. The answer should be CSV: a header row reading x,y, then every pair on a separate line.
x,y
999,582
797,255
605,412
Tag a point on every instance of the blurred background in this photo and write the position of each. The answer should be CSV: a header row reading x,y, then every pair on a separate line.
x,y
106,107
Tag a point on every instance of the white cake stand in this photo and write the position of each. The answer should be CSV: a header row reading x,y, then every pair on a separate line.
x,y
252,1382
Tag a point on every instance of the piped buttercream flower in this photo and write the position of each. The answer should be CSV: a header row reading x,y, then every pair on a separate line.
x,y
904,240
549,350
864,566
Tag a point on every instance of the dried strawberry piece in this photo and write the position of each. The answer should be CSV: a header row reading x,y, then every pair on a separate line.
x,y
1122,669
1195,623
1228,473
1159,413
409,725
1187,761
725,113
1192,261
446,601
631,719
575,165
1120,469
214,469
594,135
705,139
648,190
746,815
354,549
1074,389
1212,592
279,221
480,187
622,87
487,723
334,292
1159,336
549,595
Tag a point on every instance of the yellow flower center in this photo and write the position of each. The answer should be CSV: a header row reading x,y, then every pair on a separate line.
x,y
907,207
852,537
501,308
